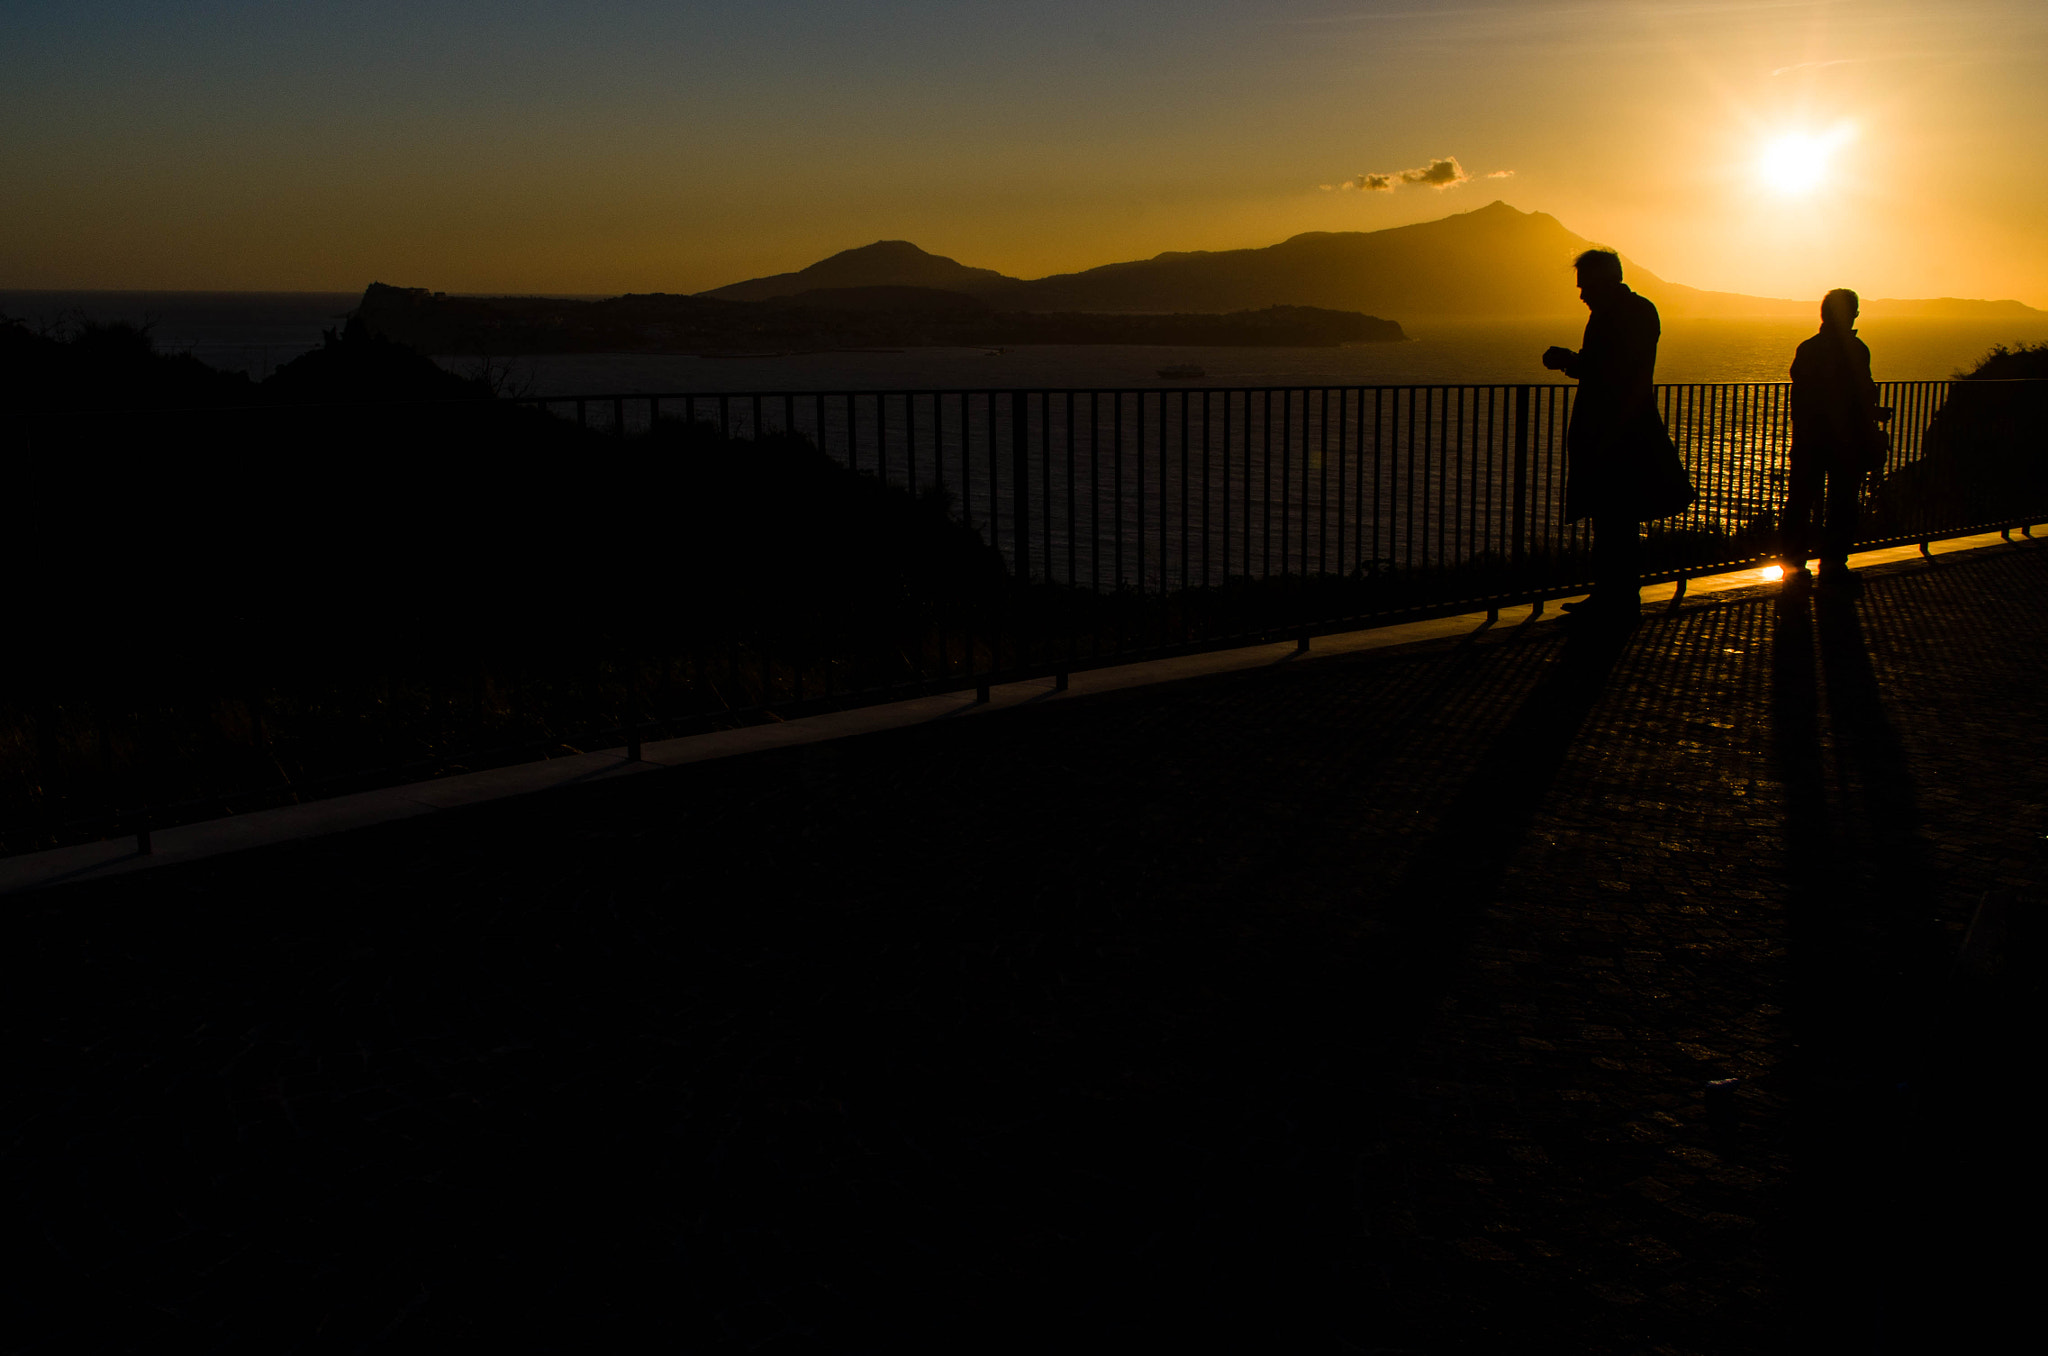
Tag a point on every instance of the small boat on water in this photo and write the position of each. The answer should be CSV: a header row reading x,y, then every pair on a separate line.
x,y
1182,372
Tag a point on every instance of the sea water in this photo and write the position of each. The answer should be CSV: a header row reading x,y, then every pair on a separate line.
x,y
1437,352
256,332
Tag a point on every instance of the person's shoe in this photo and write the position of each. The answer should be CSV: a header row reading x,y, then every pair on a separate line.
x,y
1798,579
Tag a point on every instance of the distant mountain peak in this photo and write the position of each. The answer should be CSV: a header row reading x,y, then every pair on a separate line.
x,y
1494,262
885,263
886,249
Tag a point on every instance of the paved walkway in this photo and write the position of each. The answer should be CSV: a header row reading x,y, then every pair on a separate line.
x,y
1368,1004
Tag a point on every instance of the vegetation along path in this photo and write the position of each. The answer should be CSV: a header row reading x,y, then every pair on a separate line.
x,y
1363,1005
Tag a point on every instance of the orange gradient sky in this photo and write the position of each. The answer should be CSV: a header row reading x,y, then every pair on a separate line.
x,y
1771,148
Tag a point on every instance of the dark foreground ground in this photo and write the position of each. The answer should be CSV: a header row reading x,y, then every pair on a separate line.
x,y
1358,1005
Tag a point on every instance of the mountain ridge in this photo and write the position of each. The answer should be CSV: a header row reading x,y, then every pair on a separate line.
x,y
1495,262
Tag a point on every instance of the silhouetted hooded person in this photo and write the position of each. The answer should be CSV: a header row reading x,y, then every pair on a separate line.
x,y
1835,440
1615,429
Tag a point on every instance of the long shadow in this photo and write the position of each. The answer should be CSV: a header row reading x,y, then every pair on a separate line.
x,y
1815,925
1944,1124
1447,885
1862,886
1299,1069
1314,1063
1872,755
1460,866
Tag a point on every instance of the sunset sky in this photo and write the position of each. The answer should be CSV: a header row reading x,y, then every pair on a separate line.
x,y
614,145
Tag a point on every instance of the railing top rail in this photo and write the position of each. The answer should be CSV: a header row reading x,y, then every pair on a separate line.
x,y
1042,389
260,407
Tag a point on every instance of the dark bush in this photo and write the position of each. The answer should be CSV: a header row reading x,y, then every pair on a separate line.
x,y
366,561
1985,453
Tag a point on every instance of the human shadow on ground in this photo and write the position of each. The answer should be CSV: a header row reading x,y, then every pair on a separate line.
x,y
1862,892
1447,885
1478,833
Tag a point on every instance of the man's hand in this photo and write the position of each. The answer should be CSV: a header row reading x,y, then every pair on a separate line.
x,y
1557,359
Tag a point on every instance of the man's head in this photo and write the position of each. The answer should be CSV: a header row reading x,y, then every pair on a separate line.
x,y
1838,309
1599,274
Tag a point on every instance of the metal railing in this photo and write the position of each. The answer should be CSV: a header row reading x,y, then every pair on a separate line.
x,y
1132,523
1161,491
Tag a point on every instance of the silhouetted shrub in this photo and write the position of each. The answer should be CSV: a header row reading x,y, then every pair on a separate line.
x,y
1985,452
2008,364
297,582
364,506
354,364
90,366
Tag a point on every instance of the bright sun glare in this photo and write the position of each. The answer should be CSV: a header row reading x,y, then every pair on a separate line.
x,y
1797,162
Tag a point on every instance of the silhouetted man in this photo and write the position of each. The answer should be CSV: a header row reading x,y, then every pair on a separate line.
x,y
1835,440
1615,428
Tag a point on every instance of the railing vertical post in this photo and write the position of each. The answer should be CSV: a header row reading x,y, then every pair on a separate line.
x,y
1045,482
910,443
139,787
1520,529
1138,429
1184,556
1020,481
1116,480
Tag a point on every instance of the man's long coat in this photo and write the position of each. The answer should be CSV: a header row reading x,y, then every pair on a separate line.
x,y
1615,424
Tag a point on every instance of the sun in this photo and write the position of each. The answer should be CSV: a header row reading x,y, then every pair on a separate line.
x,y
1799,162
1794,163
